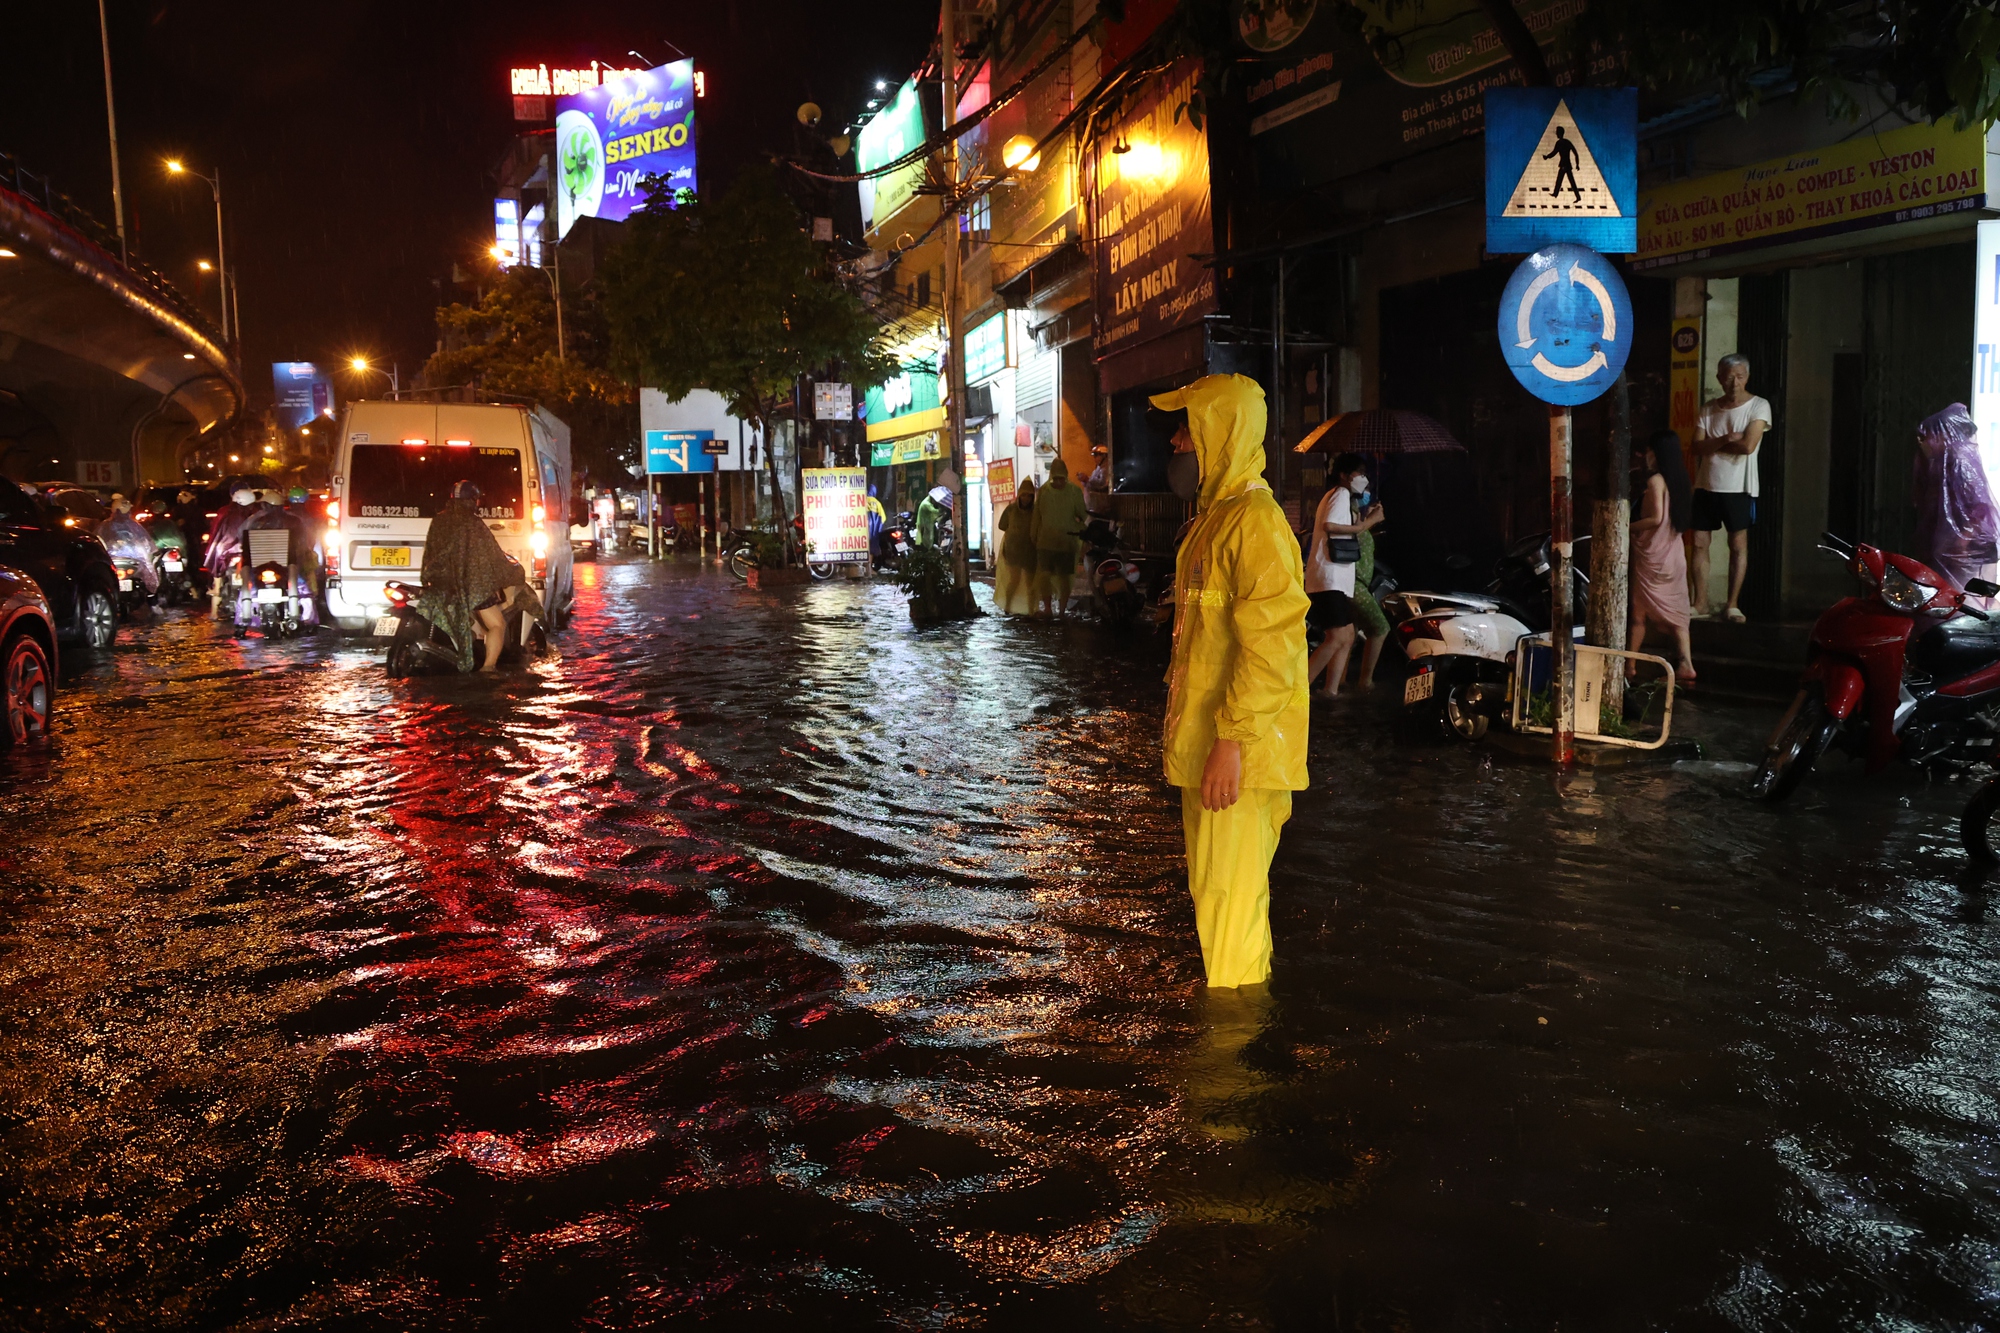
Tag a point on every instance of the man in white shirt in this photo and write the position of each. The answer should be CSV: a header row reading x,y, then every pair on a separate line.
x,y
1725,485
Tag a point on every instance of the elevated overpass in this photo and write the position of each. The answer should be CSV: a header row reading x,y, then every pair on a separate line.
x,y
107,372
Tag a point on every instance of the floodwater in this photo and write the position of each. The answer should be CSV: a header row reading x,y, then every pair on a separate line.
x,y
766,963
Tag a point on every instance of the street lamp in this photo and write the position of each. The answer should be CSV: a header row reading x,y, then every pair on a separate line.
x,y
176,168
360,366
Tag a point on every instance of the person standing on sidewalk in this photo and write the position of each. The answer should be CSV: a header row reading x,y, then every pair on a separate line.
x,y
1060,518
1237,712
1725,484
1659,565
1331,570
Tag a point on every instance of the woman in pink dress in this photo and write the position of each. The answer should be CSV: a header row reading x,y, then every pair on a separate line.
x,y
1659,561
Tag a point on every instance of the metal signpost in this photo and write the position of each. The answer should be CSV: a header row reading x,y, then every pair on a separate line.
x,y
1562,181
674,453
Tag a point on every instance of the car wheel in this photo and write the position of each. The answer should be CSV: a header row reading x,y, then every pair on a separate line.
x,y
97,619
29,691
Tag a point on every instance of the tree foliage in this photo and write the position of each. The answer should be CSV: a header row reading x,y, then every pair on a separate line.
x,y
506,344
732,295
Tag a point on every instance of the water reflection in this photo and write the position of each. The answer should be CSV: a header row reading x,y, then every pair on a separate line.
x,y
760,956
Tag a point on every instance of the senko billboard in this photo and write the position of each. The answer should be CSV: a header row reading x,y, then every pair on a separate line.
x,y
303,391
610,138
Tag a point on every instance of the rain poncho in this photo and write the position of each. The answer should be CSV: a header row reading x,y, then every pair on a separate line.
x,y
929,510
1238,673
301,551
126,537
1059,516
225,536
1014,577
1956,524
464,568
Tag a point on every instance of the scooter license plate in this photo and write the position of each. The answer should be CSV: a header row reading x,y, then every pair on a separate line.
x,y
1418,687
124,585
385,627
172,565
267,596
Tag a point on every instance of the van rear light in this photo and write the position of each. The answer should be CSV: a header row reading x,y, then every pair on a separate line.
x,y
455,444
541,567
541,514
419,443
333,511
333,553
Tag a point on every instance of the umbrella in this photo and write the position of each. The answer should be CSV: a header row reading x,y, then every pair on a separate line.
x,y
1380,431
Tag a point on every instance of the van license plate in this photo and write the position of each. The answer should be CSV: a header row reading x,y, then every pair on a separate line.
x,y
398,556
1418,687
385,627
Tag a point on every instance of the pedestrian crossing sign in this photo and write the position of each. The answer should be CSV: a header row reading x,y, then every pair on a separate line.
x,y
1562,167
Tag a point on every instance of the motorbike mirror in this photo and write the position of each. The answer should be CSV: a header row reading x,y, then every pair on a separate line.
x,y
1982,587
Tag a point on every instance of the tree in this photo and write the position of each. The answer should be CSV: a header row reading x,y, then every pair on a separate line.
x,y
733,295
506,344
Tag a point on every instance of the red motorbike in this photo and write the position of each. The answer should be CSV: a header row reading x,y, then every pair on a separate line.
x,y
1906,670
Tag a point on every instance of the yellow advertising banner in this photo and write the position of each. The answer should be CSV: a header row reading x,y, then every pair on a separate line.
x,y
1919,171
1684,379
835,503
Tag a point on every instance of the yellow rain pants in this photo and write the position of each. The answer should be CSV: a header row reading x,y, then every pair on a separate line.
x,y
1229,871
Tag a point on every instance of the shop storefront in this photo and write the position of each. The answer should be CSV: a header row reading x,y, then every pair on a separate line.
x,y
906,431
1846,273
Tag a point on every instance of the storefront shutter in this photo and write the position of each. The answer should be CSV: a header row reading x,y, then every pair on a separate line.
x,y
1035,382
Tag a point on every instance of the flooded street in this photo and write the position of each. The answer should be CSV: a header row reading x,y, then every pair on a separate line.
x,y
765,962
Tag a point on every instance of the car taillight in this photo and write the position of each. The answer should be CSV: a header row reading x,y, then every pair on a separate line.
x,y
143,515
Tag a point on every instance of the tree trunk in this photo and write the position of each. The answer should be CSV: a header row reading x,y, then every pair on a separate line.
x,y
1611,543
1520,43
771,467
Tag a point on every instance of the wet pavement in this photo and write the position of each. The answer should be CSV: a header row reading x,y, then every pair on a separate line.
x,y
764,962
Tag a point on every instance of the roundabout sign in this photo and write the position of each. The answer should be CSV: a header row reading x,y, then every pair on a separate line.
x,y
1566,324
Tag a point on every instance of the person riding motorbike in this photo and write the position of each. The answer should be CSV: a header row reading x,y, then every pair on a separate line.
x,y
466,576
225,541
304,562
126,538
933,507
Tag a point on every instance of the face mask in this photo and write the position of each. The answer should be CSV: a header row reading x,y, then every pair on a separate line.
x,y
1359,485
1184,475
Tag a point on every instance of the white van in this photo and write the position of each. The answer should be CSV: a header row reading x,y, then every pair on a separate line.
x,y
394,469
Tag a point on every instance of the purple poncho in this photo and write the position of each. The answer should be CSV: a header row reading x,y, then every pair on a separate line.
x,y
1956,523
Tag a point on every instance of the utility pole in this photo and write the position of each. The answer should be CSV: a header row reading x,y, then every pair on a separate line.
x,y
954,300
1562,654
111,118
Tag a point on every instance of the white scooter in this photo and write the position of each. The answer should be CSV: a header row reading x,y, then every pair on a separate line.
x,y
1461,645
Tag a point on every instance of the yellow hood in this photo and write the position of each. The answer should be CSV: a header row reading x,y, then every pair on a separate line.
x,y
1227,418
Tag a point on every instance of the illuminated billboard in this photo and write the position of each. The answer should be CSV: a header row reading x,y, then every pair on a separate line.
x,y
303,391
896,129
534,85
609,139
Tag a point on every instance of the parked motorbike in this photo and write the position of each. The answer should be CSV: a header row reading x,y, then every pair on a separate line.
x,y
1461,645
1907,669
266,586
418,647
1118,580
899,538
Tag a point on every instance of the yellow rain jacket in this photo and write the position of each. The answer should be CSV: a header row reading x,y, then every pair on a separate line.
x,y
1239,663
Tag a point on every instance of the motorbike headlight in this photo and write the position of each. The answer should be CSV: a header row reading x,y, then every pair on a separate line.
x,y
1902,592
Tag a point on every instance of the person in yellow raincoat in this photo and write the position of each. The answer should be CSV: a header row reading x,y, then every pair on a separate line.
x,y
1014,580
1059,517
1237,707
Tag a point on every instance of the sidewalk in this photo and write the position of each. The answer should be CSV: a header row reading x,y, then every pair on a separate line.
x,y
1757,660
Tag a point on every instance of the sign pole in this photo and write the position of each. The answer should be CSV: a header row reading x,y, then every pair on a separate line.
x,y
1562,675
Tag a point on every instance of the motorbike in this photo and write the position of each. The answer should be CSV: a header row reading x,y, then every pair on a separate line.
x,y
1461,645
1116,593
417,646
132,595
1906,670
899,538
176,581
266,586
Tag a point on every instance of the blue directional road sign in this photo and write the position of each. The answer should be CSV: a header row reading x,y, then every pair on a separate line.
x,y
1566,324
1562,164
672,452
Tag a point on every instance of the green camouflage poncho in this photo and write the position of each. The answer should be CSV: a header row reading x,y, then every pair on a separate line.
x,y
464,568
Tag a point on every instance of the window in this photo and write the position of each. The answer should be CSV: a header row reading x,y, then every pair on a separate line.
x,y
414,481
923,297
16,507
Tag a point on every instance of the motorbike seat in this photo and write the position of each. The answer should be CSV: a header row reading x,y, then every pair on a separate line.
x,y
1957,646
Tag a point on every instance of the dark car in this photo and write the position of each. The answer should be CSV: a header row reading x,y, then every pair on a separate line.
x,y
27,659
60,553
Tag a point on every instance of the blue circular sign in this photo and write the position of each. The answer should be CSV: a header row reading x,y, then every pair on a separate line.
x,y
1566,324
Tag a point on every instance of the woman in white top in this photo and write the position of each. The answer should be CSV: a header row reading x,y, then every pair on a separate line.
x,y
1330,571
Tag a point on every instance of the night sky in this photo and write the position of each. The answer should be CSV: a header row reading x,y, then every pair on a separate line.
x,y
357,141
